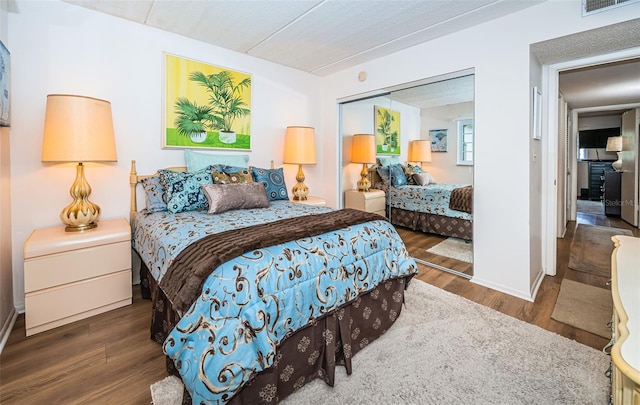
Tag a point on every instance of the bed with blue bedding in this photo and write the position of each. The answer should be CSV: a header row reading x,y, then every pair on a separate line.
x,y
252,303
440,208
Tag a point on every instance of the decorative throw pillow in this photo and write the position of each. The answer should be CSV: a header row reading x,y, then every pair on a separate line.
x,y
423,179
416,169
183,189
154,196
273,182
238,174
396,175
226,197
383,172
198,161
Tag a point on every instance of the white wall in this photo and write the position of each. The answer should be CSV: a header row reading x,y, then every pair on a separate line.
x,y
507,204
61,48
444,165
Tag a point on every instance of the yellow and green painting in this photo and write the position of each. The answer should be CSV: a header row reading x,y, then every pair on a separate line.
x,y
206,106
387,125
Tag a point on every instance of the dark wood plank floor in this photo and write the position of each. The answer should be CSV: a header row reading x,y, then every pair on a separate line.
x,y
109,358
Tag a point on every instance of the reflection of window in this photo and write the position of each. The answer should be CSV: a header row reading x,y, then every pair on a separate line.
x,y
465,142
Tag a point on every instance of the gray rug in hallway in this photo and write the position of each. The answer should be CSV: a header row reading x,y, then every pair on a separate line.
x,y
445,349
591,249
585,307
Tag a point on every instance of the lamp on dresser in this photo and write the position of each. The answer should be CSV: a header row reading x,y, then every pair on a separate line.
x,y
420,151
363,150
300,149
78,129
614,144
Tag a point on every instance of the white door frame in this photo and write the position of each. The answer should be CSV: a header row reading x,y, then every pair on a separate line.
x,y
550,141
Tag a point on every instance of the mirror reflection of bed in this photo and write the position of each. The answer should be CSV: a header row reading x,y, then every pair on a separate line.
x,y
439,108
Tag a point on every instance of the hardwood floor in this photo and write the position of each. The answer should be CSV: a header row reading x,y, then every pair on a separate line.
x,y
109,358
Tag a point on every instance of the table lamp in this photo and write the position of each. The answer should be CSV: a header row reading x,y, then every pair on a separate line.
x,y
300,149
78,129
420,151
614,144
363,150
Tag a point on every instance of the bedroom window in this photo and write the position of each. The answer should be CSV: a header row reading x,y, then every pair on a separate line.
x,y
465,142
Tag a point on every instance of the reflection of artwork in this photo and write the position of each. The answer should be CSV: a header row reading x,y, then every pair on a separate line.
x,y
438,140
4,86
387,125
206,106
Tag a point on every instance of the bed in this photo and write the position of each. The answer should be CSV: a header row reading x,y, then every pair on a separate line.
x,y
250,304
419,203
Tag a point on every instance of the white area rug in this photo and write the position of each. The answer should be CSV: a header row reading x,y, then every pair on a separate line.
x,y
444,349
454,248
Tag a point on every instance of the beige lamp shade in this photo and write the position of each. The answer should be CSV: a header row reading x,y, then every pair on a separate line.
x,y
614,144
363,148
78,129
420,151
300,146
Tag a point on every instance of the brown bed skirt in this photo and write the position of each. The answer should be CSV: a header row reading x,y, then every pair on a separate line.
x,y
432,223
312,352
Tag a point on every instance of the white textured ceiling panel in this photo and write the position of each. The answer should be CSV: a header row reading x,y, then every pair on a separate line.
x,y
131,10
236,25
436,94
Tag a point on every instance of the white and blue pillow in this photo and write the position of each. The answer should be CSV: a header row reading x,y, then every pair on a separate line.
x,y
154,195
397,176
183,189
273,181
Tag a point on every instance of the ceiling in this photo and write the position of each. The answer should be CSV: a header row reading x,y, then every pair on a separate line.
x,y
325,36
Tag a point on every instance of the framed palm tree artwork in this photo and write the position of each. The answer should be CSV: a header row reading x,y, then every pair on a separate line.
x,y
387,127
205,106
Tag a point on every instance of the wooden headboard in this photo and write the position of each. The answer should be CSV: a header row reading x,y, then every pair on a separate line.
x,y
135,178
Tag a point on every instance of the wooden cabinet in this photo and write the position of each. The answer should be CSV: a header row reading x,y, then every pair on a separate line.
x,y
597,172
612,191
69,276
625,289
370,201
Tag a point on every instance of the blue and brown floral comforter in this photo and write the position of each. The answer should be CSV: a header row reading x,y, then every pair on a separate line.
x,y
430,199
250,304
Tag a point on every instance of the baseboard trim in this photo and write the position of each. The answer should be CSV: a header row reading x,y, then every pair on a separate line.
x,y
516,293
7,328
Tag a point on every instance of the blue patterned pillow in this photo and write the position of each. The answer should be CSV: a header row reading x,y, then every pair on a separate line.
x,y
273,181
183,189
397,176
154,196
409,171
383,172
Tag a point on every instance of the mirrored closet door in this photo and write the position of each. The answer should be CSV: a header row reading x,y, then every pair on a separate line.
x,y
441,111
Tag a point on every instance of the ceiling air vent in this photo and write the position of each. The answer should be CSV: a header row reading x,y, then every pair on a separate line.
x,y
595,6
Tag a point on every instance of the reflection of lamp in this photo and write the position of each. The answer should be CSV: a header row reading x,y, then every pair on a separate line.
x,y
420,151
363,150
614,144
78,129
300,149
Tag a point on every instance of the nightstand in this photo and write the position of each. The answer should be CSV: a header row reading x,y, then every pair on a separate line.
x,y
370,201
70,276
312,201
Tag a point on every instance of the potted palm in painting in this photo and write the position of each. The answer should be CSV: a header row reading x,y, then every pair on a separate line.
x,y
225,100
192,119
387,124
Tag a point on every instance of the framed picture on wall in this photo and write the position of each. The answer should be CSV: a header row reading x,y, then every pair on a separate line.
x,y
205,106
387,127
438,140
4,85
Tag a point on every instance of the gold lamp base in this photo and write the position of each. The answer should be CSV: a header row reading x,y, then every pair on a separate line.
x,y
300,190
364,184
81,214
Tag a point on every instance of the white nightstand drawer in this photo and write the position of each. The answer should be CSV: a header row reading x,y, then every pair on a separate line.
x,y
375,204
75,265
61,305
